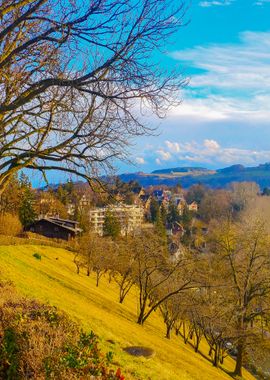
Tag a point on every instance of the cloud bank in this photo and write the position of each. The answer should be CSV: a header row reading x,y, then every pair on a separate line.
x,y
208,152
231,81
212,3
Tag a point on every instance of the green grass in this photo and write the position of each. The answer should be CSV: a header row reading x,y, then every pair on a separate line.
x,y
53,279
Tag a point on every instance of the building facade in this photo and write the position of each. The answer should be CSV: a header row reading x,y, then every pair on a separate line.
x,y
130,217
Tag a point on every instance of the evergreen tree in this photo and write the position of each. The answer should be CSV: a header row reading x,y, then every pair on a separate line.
x,y
62,194
161,230
27,212
112,226
266,191
24,182
173,214
187,218
154,210
69,186
163,214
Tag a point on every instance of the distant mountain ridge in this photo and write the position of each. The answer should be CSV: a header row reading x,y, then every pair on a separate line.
x,y
184,169
188,176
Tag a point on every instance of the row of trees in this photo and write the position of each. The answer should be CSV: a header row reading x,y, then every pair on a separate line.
x,y
142,261
222,296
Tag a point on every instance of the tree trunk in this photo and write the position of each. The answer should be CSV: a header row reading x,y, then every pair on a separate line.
x,y
110,278
140,320
123,292
222,356
98,276
122,295
239,359
185,335
168,330
215,361
177,329
197,342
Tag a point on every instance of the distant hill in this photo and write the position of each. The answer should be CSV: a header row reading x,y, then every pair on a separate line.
x,y
232,169
188,176
185,169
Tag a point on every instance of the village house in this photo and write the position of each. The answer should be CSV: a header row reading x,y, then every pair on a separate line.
x,y
176,229
145,202
162,195
199,231
193,206
55,228
139,193
84,202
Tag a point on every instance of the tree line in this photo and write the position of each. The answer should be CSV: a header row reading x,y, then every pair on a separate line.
x,y
222,295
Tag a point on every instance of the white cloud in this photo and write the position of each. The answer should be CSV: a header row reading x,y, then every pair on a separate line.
x,y
220,3
211,144
212,153
207,4
158,162
140,160
262,2
164,155
233,82
172,146
231,66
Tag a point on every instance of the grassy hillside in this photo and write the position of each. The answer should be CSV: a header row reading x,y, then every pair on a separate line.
x,y
53,280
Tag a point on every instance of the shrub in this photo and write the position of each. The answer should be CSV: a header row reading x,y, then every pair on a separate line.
x,y
39,342
10,225
37,256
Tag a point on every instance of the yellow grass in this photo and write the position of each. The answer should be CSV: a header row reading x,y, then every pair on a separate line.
x,y
53,279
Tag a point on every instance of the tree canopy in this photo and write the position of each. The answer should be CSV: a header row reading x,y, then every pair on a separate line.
x,y
73,77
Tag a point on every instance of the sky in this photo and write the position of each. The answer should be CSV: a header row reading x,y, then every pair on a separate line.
x,y
224,117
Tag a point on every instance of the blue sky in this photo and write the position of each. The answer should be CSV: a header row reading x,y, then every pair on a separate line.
x,y
224,117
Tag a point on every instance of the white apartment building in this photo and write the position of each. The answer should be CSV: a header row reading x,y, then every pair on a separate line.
x,y
130,217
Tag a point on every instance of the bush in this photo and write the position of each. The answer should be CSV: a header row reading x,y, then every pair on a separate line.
x,y
10,225
38,342
37,256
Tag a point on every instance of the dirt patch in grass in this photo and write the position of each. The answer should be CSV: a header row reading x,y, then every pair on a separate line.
x,y
146,352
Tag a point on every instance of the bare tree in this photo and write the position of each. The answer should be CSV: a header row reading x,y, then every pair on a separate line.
x,y
75,76
244,195
87,245
242,250
124,268
102,254
171,310
155,273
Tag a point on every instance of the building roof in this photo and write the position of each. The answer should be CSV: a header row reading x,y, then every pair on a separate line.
x,y
158,193
55,222
60,220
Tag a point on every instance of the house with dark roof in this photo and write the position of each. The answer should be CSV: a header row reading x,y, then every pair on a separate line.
x,y
56,228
